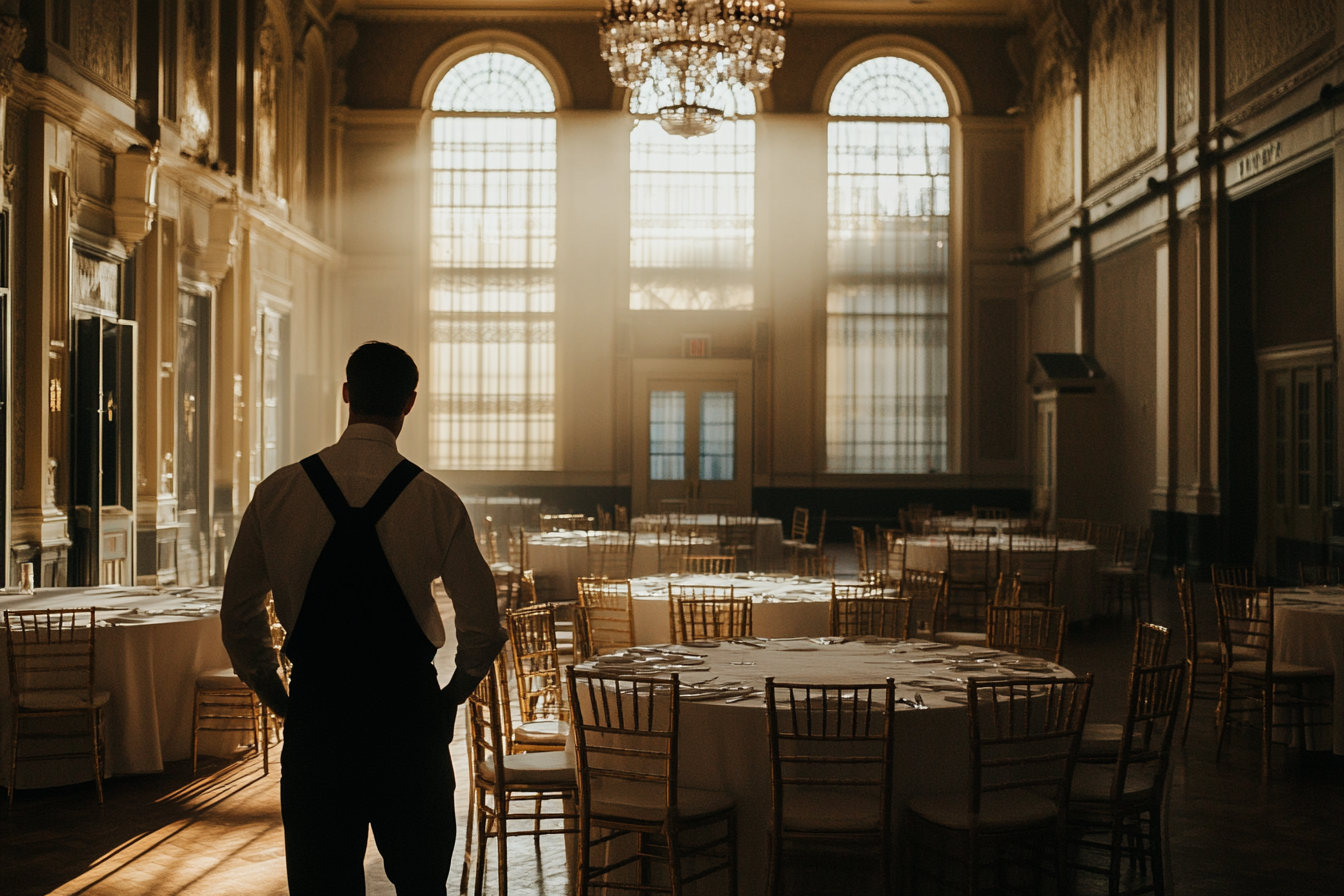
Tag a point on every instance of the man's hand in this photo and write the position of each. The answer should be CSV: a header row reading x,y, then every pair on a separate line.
x,y
455,693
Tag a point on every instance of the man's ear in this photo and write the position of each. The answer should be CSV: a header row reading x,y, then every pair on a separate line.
x,y
410,403
345,392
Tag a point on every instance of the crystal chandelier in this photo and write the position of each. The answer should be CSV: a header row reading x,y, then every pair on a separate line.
x,y
684,57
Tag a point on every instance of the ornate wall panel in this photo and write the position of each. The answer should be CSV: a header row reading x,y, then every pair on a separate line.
x,y
1122,85
198,78
102,42
1054,86
1262,36
1185,25
268,55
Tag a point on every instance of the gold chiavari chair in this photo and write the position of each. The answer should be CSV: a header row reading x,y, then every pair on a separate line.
x,y
51,676
536,669
626,741
1125,795
707,613
611,554
609,609
707,564
832,755
813,566
1005,595
1072,529
1257,683
856,612
889,545
622,518
1028,631
968,578
1203,659
1319,575
1233,574
1107,537
989,513
860,549
672,549
604,520
1129,579
583,636
485,540
503,780
927,591
797,544
716,506
919,514
1024,745
1101,740
1034,561
517,547
737,537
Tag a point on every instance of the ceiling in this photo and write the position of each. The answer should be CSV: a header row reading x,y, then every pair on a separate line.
x,y
925,11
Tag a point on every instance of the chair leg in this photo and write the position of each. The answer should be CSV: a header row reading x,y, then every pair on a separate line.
x,y
1190,667
1224,698
265,737
1267,731
466,849
502,851
1159,870
195,728
13,759
482,832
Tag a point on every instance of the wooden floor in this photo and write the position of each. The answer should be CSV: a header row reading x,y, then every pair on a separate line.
x,y
220,833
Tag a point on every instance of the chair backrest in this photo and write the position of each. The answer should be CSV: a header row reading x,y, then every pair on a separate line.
x,y
1107,538
989,513
625,736
831,738
927,591
1186,597
1035,559
707,564
860,548
527,588
812,565
707,613
622,520
583,635
1007,590
536,662
1151,644
1029,631
1025,735
517,547
1246,624
1143,551
920,513
604,521
737,532
872,614
821,532
1152,707
1319,574
1072,529
489,726
968,560
798,526
1232,574
51,650
672,549
611,554
609,608
891,552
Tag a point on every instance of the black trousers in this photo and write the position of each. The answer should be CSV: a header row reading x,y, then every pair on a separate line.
x,y
360,756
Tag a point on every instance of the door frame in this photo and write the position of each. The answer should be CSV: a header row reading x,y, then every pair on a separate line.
x,y
646,369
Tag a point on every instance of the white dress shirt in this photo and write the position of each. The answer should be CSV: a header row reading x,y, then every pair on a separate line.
x,y
425,534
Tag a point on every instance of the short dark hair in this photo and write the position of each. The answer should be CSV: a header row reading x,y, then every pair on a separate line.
x,y
381,378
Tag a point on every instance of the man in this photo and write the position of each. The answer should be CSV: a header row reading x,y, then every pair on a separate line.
x,y
348,542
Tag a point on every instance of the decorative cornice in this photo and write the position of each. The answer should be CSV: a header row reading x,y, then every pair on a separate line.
x,y
13,34
42,93
1308,72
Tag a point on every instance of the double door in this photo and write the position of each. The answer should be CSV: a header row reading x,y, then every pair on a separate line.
x,y
692,435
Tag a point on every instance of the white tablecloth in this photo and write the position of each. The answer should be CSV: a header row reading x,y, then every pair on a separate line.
x,y
562,557
1075,572
782,606
1309,631
724,746
148,661
967,525
769,536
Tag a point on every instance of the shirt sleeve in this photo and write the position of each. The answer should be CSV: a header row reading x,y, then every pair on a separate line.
x,y
471,586
243,619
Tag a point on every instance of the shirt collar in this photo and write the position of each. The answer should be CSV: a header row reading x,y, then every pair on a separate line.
x,y
369,432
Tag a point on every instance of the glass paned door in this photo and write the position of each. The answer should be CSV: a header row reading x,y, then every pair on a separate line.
x,y
692,440
1298,444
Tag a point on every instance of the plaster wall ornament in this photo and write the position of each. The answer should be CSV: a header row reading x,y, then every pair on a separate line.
x,y
222,245
135,202
1122,84
1057,60
13,34
1263,36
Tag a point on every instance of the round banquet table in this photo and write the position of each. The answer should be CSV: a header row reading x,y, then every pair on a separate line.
x,y
149,649
967,525
1309,631
563,556
1075,572
769,535
782,606
724,746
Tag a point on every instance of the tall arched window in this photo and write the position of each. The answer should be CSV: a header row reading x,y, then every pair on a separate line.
x,y
886,301
492,276
692,210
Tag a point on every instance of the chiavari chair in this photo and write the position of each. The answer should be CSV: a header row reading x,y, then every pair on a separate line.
x,y
604,520
51,676
1320,575
812,566
707,613
890,546
1130,576
1030,631
1242,575
1101,740
609,608
517,547
1034,560
707,564
1256,682
968,577
536,667
860,549
832,755
485,540
927,591
502,780
1024,745
1107,538
622,518
856,611
611,554
797,543
1038,521
1125,796
672,549
626,741
737,537
583,636
1072,529
1005,595
989,513
1203,659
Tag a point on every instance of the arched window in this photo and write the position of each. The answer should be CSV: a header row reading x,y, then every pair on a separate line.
x,y
692,210
887,292
492,267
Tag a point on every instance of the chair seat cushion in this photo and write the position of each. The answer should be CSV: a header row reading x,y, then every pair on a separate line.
x,y
58,701
551,769
1213,650
549,732
831,810
962,639
1092,783
1101,739
1256,669
646,802
1001,811
220,679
